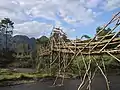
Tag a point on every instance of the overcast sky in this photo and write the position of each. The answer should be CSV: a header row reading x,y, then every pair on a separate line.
x,y
76,17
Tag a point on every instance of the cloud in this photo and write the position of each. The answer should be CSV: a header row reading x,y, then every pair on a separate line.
x,y
58,24
32,29
73,12
111,4
13,10
93,3
70,11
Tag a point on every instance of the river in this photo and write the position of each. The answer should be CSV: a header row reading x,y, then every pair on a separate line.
x,y
71,84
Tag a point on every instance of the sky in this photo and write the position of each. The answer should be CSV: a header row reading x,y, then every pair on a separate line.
x,y
35,18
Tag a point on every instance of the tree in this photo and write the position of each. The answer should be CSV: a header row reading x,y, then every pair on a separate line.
x,y
104,32
43,40
85,36
6,27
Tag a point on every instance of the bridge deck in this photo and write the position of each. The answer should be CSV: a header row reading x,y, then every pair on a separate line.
x,y
75,47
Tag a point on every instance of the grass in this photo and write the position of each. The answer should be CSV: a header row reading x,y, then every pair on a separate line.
x,y
6,74
8,78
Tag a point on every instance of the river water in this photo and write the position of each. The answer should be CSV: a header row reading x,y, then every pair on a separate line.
x,y
98,84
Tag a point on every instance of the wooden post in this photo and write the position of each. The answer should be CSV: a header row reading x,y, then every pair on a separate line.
x,y
51,56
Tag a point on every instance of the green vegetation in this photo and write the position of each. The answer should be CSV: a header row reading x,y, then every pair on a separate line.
x,y
24,58
111,65
7,75
104,32
85,36
6,27
43,40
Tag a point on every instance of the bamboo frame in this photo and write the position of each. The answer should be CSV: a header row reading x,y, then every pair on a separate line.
x,y
72,49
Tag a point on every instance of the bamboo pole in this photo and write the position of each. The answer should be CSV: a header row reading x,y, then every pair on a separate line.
x,y
104,37
83,81
81,45
114,56
101,30
107,82
110,40
68,47
98,33
51,58
76,48
54,60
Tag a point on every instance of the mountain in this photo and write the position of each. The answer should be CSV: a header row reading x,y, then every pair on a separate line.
x,y
17,41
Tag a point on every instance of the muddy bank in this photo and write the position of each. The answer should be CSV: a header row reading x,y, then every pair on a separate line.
x,y
12,78
69,84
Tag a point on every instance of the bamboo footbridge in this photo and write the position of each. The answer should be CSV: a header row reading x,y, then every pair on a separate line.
x,y
96,45
62,52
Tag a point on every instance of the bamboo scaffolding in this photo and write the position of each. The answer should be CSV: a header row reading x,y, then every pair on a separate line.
x,y
104,37
114,51
83,80
106,79
90,47
114,56
91,44
110,40
60,51
101,30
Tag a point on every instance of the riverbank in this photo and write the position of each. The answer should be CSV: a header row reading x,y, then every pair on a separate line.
x,y
13,77
8,77
69,84
18,76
